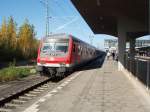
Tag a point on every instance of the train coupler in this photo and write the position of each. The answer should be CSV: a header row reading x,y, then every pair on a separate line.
x,y
61,70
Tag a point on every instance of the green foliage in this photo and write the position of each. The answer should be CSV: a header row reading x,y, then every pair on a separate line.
x,y
18,46
26,40
12,63
12,73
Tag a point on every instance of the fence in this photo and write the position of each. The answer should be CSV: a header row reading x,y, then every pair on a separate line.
x,y
140,68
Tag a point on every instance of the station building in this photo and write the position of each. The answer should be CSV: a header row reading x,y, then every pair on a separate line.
x,y
112,44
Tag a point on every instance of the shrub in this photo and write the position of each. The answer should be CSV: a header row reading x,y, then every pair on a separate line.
x,y
12,73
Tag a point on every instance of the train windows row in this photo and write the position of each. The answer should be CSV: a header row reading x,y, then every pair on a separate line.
x,y
83,50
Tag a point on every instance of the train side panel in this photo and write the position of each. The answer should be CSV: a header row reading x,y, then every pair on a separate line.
x,y
77,54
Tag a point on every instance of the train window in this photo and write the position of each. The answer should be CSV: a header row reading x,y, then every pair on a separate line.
x,y
47,47
61,47
79,50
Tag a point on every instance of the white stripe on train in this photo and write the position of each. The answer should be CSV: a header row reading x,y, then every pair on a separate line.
x,y
54,65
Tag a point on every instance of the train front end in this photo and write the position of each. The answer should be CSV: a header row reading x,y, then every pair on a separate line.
x,y
54,56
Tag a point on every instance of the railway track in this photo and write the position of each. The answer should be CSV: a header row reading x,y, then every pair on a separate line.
x,y
13,101
16,100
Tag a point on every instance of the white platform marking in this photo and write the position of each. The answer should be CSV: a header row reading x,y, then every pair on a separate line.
x,y
59,87
42,100
54,91
33,107
48,95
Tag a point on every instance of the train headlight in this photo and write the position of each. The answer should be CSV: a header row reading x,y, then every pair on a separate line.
x,y
52,59
42,62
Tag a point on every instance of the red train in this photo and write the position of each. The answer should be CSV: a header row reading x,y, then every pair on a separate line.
x,y
60,53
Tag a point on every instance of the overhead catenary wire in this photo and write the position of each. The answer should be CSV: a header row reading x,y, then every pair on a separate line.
x,y
46,5
63,19
67,20
60,6
67,9
68,23
50,19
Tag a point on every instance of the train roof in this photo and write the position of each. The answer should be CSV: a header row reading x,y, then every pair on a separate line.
x,y
62,36
66,36
58,36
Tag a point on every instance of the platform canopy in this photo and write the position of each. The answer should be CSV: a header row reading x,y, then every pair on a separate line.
x,y
103,15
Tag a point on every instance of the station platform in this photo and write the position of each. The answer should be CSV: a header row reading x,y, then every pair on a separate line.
x,y
99,89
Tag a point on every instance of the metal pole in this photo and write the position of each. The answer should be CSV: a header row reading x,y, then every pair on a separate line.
x,y
45,3
47,17
47,11
126,62
130,66
149,18
148,73
137,67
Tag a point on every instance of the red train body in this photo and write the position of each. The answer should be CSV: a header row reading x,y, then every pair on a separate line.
x,y
60,53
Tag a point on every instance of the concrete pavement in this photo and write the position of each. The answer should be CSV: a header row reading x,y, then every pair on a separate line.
x,y
94,90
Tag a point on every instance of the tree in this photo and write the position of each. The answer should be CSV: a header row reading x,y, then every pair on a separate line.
x,y
8,39
26,39
3,32
18,46
11,30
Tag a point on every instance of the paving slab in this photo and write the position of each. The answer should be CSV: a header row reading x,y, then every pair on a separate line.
x,y
96,90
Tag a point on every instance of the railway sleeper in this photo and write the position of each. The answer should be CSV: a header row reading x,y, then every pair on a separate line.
x,y
38,90
17,101
34,92
25,98
11,105
45,86
5,110
30,95
41,88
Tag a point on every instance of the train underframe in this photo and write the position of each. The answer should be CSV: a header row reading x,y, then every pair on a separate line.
x,y
53,71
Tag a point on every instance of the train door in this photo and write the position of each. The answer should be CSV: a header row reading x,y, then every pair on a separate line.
x,y
75,53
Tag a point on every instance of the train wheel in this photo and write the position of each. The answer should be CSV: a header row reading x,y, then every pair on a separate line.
x,y
69,71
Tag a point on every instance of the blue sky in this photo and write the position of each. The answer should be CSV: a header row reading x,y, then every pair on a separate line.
x,y
65,18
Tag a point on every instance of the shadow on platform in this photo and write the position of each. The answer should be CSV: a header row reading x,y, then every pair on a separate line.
x,y
98,63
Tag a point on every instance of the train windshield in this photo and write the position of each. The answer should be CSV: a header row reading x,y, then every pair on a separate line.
x,y
57,48
61,47
48,47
